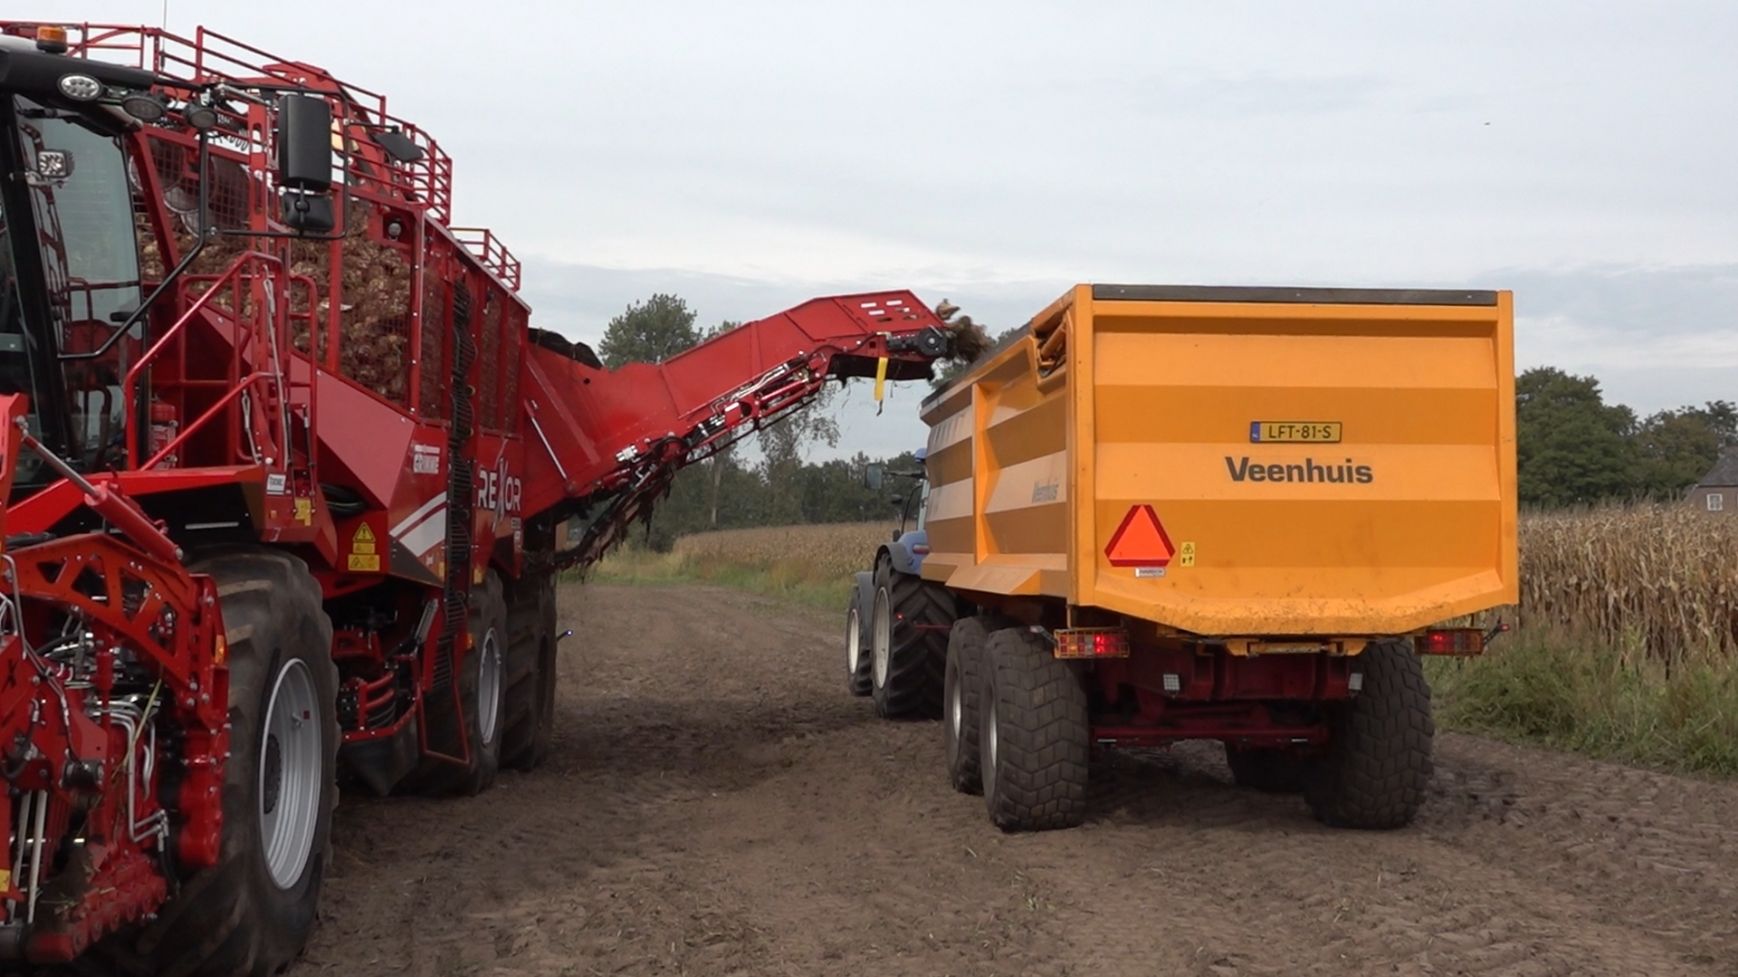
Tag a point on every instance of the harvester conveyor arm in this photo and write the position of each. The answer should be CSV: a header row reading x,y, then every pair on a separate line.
x,y
617,437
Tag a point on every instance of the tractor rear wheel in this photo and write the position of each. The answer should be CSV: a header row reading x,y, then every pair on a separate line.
x,y
529,725
1377,763
858,641
481,677
1034,738
251,913
908,658
959,704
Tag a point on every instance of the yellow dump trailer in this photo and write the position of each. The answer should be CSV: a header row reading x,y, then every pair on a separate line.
x,y
1167,513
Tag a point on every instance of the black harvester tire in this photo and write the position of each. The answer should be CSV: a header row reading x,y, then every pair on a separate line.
x,y
233,919
961,686
1034,735
921,614
1377,764
858,661
1271,770
528,723
487,622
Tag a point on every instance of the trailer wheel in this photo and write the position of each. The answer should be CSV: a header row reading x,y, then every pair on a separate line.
x,y
1377,763
530,673
859,661
251,913
481,676
1267,769
911,654
959,702
1034,735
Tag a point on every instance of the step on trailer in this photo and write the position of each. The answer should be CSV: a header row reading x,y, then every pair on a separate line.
x,y
1167,513
286,476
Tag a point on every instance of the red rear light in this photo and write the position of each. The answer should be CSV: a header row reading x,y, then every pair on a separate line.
x,y
1092,643
1452,641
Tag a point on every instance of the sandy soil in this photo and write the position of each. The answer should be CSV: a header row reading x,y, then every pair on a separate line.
x,y
718,805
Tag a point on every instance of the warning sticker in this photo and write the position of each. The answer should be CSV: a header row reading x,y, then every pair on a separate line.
x,y
364,557
1186,555
1140,541
305,511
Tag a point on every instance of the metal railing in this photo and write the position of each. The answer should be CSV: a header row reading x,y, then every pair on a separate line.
x,y
258,313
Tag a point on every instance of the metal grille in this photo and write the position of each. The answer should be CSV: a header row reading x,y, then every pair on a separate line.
x,y
512,339
489,378
313,259
375,327
432,398
177,166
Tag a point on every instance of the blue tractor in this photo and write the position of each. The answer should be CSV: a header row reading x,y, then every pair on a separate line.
x,y
896,629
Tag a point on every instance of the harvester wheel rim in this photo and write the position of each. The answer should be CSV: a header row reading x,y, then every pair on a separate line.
x,y
991,736
291,761
489,667
955,709
881,636
853,640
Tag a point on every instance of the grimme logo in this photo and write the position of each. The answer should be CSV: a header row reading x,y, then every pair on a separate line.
x,y
1244,470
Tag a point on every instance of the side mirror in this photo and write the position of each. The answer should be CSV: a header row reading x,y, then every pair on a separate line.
x,y
873,474
304,163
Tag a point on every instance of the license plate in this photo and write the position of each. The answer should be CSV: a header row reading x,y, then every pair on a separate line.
x,y
1294,432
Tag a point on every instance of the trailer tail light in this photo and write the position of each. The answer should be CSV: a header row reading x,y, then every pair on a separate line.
x,y
1453,641
1091,643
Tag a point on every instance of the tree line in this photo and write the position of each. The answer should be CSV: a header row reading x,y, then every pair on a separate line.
x,y
1573,448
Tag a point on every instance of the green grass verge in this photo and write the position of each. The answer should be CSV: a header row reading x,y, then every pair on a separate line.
x,y
792,578
1598,700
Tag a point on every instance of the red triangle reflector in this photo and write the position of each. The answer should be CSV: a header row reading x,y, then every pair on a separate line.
x,y
1141,540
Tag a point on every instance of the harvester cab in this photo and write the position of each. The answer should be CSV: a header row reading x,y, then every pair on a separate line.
x,y
75,311
68,270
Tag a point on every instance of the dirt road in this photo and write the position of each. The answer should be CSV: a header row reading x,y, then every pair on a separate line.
x,y
718,805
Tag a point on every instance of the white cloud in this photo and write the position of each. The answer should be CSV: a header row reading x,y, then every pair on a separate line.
x,y
753,154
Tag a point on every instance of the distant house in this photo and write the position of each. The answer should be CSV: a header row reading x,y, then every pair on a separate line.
x,y
1718,490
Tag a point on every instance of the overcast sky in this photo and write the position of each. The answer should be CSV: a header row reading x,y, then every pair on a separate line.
x,y
749,155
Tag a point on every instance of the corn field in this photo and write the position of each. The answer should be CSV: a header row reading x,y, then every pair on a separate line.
x,y
1659,579
829,551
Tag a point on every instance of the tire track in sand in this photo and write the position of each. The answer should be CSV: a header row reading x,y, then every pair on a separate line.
x,y
718,805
